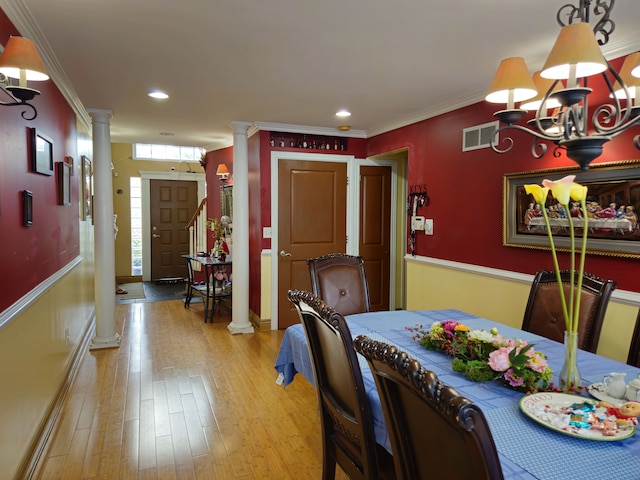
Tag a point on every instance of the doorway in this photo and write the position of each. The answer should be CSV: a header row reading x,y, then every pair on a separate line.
x,y
146,178
173,203
282,314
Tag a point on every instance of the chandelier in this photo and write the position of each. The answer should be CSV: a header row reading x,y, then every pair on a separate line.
x,y
559,92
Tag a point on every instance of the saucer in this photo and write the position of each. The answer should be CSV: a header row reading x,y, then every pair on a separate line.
x,y
597,390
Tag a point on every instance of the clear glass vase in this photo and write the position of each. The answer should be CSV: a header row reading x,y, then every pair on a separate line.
x,y
569,375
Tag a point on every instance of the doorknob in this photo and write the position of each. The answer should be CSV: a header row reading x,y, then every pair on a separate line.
x,y
155,235
284,254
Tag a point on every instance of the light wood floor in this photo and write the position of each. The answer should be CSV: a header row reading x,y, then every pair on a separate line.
x,y
181,399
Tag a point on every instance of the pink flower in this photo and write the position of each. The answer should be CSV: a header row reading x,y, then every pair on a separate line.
x,y
499,359
513,379
537,361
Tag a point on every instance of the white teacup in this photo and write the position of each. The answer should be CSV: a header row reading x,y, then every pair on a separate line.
x,y
614,384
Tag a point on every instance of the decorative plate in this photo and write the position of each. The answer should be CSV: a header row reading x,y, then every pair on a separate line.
x,y
597,390
573,415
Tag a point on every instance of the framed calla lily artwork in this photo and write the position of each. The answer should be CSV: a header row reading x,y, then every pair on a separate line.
x,y
610,209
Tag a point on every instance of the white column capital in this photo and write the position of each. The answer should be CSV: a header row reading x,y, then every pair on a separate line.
x,y
240,127
99,115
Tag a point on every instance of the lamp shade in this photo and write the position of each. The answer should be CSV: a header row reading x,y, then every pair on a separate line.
x,y
542,85
512,82
577,46
222,170
629,80
20,54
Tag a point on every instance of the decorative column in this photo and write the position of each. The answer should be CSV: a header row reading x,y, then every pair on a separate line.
x,y
104,245
240,322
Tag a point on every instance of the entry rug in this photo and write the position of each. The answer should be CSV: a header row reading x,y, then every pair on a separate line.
x,y
135,291
551,455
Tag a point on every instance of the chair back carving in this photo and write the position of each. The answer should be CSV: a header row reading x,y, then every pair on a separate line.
x,y
340,280
347,424
434,431
543,314
634,349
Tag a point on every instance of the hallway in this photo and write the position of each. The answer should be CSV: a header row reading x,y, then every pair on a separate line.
x,y
181,399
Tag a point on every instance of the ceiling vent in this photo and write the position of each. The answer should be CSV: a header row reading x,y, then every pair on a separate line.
x,y
479,136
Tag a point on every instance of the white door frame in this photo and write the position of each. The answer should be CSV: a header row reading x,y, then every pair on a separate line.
x,y
393,221
353,207
146,177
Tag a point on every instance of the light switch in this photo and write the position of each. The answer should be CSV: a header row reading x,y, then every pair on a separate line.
x,y
266,232
428,226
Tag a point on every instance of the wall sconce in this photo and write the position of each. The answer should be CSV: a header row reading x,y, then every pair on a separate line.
x,y
223,172
20,61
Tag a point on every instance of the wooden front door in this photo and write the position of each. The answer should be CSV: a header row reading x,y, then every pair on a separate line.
x,y
172,204
312,221
375,221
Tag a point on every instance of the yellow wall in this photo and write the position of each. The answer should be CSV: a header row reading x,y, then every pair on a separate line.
x,y
123,169
36,355
504,300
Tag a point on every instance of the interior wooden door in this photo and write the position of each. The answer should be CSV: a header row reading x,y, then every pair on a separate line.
x,y
172,204
375,231
312,221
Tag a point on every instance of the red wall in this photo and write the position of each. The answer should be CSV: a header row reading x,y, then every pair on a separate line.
x,y
465,190
29,255
215,158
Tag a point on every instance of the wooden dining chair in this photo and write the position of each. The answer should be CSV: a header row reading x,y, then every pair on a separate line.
x,y
341,281
434,431
347,425
543,313
634,350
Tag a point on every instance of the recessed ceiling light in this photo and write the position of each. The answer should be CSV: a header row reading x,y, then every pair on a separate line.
x,y
157,94
343,113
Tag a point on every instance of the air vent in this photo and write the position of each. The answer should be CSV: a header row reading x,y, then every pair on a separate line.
x,y
478,136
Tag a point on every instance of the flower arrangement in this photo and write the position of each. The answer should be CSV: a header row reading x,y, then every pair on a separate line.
x,y
484,356
563,190
218,229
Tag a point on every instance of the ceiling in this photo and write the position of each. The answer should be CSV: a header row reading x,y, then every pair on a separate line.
x,y
286,64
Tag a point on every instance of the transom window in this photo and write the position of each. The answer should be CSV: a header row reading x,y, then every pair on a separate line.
x,y
166,153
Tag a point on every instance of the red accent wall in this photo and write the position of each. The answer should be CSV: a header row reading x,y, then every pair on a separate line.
x,y
29,255
465,190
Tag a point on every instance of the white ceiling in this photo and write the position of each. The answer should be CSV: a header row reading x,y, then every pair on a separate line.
x,y
286,63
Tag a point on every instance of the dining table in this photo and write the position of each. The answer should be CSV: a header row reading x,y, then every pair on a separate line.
x,y
527,449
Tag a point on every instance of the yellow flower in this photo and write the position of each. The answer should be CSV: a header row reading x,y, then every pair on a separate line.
x,y
578,192
461,328
561,189
539,193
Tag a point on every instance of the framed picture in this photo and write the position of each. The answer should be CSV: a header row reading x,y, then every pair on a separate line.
x,y
27,208
64,183
41,152
613,202
226,200
87,188
69,160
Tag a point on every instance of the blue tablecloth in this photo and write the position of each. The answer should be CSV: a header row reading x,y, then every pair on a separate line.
x,y
527,450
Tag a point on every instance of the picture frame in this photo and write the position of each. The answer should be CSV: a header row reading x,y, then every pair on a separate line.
x,y
87,187
610,186
41,148
64,183
226,201
27,208
69,160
